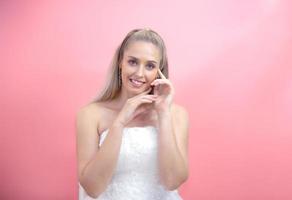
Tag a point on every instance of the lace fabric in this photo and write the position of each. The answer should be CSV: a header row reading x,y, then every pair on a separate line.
x,y
136,175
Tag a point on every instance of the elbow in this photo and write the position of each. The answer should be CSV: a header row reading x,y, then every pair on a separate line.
x,y
91,189
170,186
173,183
93,193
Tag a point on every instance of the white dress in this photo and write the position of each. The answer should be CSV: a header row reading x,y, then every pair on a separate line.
x,y
136,174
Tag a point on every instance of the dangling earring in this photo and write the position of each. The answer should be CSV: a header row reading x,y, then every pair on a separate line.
x,y
119,77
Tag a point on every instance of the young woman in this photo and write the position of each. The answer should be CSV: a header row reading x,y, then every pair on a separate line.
x,y
132,141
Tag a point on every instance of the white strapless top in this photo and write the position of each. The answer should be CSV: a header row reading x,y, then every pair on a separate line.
x,y
136,175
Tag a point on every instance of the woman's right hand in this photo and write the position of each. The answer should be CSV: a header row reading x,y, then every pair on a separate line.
x,y
135,106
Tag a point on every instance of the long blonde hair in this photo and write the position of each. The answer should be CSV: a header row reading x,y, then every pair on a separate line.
x,y
114,85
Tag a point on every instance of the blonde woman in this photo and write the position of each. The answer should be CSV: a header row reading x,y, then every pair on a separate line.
x,y
132,141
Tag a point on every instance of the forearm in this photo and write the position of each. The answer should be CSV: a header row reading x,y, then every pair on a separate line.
x,y
98,173
172,168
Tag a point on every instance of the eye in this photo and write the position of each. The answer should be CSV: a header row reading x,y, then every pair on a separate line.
x,y
132,62
150,66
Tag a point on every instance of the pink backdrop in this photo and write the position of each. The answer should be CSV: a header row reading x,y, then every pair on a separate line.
x,y
230,62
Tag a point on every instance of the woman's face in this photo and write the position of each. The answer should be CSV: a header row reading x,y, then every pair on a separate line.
x,y
139,66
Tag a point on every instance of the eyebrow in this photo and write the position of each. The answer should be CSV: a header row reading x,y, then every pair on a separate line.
x,y
148,60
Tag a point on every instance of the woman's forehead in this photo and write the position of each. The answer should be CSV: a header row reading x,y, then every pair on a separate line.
x,y
143,50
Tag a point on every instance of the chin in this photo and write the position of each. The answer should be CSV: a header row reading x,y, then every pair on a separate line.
x,y
136,91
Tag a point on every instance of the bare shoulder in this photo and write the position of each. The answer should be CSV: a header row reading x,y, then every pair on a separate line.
x,y
91,110
98,112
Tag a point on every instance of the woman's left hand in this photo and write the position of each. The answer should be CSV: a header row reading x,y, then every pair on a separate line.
x,y
165,91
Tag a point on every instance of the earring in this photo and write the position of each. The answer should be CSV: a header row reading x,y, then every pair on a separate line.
x,y
119,77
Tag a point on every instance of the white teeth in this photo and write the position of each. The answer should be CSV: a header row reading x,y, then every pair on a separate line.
x,y
137,83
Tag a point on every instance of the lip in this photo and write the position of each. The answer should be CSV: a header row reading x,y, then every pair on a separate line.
x,y
137,80
136,83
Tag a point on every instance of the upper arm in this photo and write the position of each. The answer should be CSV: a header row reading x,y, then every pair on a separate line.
x,y
181,130
87,138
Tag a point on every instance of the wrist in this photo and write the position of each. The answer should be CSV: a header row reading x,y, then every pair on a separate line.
x,y
163,112
118,124
163,108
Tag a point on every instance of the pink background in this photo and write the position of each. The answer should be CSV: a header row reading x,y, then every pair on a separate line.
x,y
230,63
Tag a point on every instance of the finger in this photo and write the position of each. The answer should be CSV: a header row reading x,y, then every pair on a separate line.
x,y
145,106
146,101
147,91
150,97
142,109
161,74
160,81
156,89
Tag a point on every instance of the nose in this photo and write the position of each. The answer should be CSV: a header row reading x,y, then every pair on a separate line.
x,y
140,71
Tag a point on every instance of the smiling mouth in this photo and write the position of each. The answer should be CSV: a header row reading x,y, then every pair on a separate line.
x,y
136,83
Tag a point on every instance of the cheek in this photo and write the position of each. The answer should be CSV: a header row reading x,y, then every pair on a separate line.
x,y
125,71
152,76
128,69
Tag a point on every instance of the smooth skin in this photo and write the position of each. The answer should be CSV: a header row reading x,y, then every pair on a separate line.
x,y
134,107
